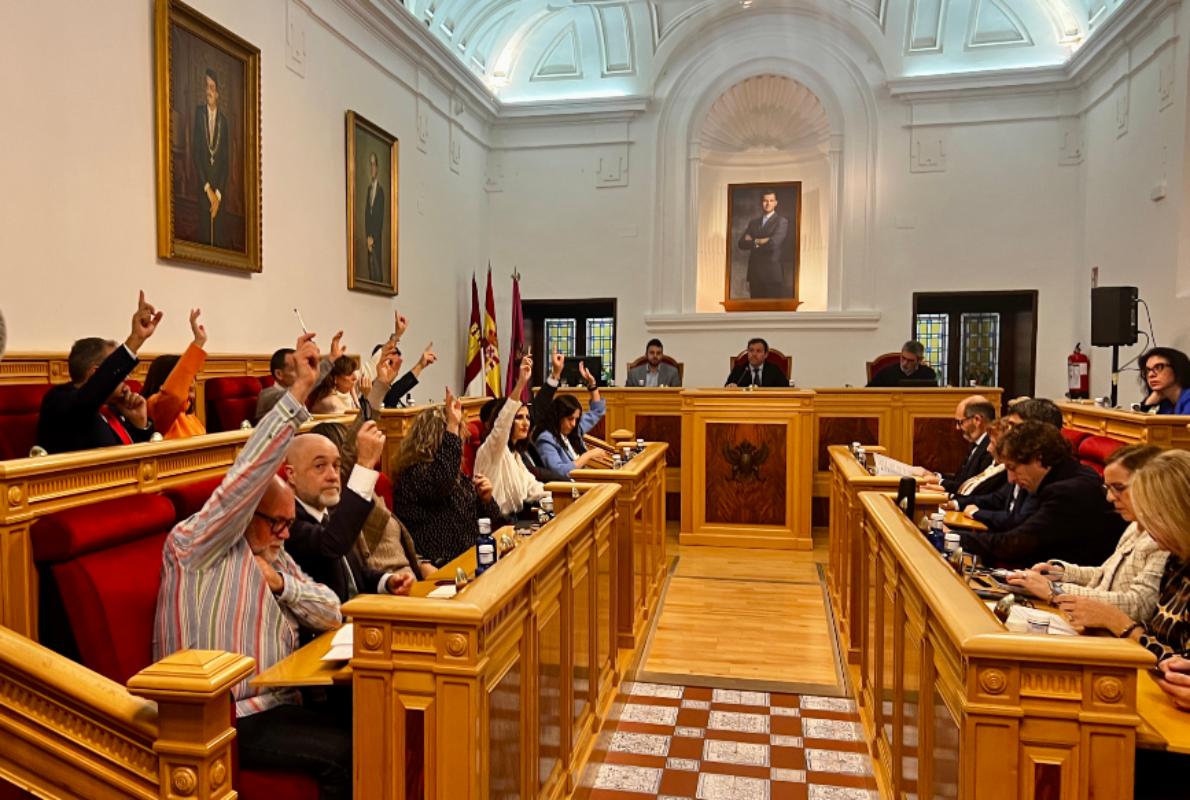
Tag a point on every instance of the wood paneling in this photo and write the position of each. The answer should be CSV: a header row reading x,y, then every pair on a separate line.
x,y
938,446
844,430
1162,430
745,473
662,428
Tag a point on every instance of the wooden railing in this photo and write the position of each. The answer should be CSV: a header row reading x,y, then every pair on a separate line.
x,y
507,683
640,538
1163,430
68,732
954,705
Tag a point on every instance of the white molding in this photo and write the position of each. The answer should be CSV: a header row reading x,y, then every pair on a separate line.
x,y
756,321
577,112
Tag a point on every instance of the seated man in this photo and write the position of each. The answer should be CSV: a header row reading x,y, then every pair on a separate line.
x,y
322,539
973,416
97,409
228,584
910,368
654,372
284,373
757,371
1073,520
396,393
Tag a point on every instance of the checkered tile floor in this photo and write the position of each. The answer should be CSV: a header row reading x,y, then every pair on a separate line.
x,y
694,743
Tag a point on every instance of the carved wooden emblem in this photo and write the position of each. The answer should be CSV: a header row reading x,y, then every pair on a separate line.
x,y
746,459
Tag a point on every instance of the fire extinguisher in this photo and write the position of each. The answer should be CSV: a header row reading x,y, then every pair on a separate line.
x,y
1078,374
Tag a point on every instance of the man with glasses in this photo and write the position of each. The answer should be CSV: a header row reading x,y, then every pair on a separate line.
x,y
972,418
228,584
910,370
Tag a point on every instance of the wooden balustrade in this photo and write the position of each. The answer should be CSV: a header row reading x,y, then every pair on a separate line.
x,y
1130,427
66,731
396,422
954,705
506,684
640,538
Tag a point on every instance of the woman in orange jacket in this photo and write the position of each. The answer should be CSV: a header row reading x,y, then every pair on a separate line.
x,y
169,387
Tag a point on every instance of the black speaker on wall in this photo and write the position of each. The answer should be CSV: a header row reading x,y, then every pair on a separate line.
x,y
1113,315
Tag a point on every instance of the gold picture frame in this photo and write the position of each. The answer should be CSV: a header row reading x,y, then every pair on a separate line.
x,y
372,207
208,164
763,252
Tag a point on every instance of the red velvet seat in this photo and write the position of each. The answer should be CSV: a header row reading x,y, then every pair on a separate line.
x,y
1074,438
20,405
188,498
472,439
230,401
1094,451
106,560
384,488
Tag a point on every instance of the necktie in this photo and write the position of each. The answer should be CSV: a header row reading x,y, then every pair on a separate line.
x,y
114,423
756,376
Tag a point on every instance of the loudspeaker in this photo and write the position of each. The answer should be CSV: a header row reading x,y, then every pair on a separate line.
x,y
1113,315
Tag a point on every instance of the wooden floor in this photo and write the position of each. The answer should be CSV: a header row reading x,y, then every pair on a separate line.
x,y
745,618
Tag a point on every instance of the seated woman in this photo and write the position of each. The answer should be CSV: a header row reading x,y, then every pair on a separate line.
x,y
560,442
170,386
1165,372
336,394
1073,520
512,484
440,505
1130,578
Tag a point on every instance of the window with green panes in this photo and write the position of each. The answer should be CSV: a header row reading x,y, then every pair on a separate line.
x,y
601,337
981,348
559,336
933,331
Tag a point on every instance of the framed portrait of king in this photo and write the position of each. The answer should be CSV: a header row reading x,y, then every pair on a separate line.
x,y
763,246
208,141
372,194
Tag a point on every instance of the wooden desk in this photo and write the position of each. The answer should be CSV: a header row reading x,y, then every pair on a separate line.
x,y
747,468
509,682
957,519
1163,430
305,667
1165,727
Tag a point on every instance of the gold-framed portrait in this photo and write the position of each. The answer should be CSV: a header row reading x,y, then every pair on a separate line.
x,y
763,246
372,206
208,141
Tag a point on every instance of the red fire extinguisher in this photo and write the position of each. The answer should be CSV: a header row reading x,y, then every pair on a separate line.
x,y
1078,374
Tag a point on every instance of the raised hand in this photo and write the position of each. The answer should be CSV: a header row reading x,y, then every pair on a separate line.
x,y
526,372
144,323
557,361
198,329
452,407
428,356
337,346
585,374
400,324
306,357
387,369
133,407
369,445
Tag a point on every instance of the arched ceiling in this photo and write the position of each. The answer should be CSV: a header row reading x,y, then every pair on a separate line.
x,y
765,113
552,50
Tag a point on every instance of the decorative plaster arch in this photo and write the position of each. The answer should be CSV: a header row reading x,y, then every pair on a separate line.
x,y
694,79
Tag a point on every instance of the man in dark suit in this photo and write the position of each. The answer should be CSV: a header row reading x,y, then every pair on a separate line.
x,y
374,223
973,417
97,409
757,370
909,368
764,240
211,146
329,517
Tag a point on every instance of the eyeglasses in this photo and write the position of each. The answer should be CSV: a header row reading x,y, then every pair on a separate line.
x,y
1115,488
276,524
1155,369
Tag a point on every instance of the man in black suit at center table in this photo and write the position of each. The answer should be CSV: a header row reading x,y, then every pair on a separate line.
x,y
764,239
757,370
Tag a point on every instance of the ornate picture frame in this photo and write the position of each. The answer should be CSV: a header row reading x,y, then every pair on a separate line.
x,y
763,252
373,194
208,141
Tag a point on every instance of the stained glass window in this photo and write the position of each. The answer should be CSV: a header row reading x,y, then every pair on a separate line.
x,y
600,338
559,336
981,349
933,331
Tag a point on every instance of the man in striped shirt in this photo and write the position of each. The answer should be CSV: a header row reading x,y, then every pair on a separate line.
x,y
228,584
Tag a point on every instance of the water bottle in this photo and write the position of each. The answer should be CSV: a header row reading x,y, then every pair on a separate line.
x,y
937,535
626,453
640,445
573,492
616,462
547,505
409,400
485,547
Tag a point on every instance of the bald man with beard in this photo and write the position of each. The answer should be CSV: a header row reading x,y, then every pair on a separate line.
x,y
329,518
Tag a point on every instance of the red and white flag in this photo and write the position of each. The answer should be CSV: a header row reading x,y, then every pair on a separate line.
x,y
517,334
491,344
473,368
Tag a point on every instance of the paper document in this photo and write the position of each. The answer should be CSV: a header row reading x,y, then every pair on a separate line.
x,y
444,592
890,466
341,644
1018,620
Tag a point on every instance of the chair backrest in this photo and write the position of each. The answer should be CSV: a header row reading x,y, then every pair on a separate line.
x,y
1094,451
230,401
472,439
775,357
880,362
20,405
665,359
106,561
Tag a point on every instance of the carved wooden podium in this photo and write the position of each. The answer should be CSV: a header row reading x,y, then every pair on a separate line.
x,y
747,467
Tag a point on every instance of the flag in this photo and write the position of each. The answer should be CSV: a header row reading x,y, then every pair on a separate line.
x,y
517,334
474,365
491,346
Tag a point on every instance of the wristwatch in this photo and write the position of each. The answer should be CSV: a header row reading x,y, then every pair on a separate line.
x,y
1124,633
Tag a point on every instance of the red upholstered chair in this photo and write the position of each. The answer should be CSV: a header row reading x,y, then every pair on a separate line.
x,y
665,359
880,362
1074,438
189,497
134,385
384,488
230,401
472,439
106,560
775,357
267,381
1094,450
20,405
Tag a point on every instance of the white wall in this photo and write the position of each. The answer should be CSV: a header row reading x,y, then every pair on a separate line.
x,y
78,221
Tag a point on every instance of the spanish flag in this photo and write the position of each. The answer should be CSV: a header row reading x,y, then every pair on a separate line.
x,y
474,365
491,346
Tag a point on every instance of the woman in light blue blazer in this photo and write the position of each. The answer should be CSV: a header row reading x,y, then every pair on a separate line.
x,y
560,442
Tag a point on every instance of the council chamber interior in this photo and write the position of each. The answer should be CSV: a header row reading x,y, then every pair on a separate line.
x,y
595,399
